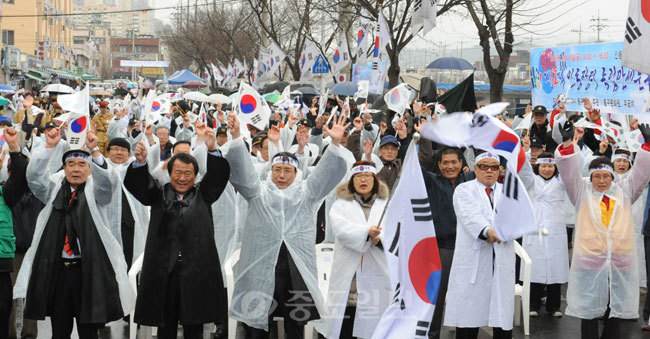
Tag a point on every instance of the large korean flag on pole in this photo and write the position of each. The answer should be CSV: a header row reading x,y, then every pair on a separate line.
x,y
411,255
636,46
79,119
251,107
514,215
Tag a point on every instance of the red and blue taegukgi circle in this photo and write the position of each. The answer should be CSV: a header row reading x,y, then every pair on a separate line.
x,y
425,269
155,106
336,56
506,141
248,104
78,125
394,97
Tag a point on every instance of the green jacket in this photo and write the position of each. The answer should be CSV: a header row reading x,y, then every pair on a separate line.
x,y
7,238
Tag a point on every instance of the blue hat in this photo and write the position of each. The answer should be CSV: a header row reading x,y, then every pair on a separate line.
x,y
389,139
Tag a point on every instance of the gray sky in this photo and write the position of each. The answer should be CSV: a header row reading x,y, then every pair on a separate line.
x,y
554,26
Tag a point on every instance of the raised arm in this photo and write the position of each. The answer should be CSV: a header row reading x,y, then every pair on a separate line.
x,y
332,167
639,176
242,172
38,179
218,171
567,158
103,188
138,181
16,185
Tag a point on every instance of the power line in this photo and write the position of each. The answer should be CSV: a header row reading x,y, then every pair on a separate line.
x,y
115,12
596,23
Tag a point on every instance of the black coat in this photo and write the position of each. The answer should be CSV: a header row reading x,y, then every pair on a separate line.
x,y
441,198
100,299
186,226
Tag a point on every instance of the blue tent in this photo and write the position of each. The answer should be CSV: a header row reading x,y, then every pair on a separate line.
x,y
182,77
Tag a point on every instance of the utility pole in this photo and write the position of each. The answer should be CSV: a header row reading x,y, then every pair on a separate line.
x,y
579,31
133,48
598,24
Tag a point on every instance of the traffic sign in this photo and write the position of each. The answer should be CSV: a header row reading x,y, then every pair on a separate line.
x,y
320,66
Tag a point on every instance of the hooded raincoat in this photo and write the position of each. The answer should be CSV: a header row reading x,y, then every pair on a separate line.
x,y
275,217
604,265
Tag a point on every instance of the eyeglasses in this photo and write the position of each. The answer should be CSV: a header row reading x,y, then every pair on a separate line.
x,y
360,176
484,167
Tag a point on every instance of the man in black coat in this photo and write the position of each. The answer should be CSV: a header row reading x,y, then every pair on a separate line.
x,y
440,190
74,268
181,277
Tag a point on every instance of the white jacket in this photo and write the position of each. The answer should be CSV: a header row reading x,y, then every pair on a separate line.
x,y
355,254
482,277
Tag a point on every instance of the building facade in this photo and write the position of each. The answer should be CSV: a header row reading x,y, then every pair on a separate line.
x,y
146,48
34,37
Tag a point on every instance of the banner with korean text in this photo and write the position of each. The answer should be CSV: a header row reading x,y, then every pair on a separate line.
x,y
591,71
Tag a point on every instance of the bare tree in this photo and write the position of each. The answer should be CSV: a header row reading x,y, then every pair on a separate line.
x,y
210,34
487,19
398,22
287,23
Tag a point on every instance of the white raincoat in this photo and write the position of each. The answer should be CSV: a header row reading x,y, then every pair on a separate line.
x,y
98,193
604,266
481,289
354,254
275,216
550,254
139,212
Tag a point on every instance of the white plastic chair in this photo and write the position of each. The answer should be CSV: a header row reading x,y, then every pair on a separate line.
x,y
230,284
324,258
133,280
522,292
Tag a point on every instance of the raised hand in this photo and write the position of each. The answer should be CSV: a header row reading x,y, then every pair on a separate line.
x,y
140,153
567,131
52,137
11,137
587,103
400,127
234,126
367,149
274,134
210,139
645,131
602,147
91,140
338,129
358,123
291,120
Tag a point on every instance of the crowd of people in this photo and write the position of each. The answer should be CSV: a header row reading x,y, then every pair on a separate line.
x,y
183,195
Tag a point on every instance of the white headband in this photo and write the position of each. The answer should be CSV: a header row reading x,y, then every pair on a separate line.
x,y
622,156
76,155
486,155
363,168
284,160
602,167
546,161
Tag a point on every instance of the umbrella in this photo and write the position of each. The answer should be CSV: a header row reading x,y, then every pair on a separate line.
x,y
57,88
100,93
223,90
194,84
294,87
195,96
219,99
272,97
4,101
276,86
6,89
451,63
308,91
344,88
